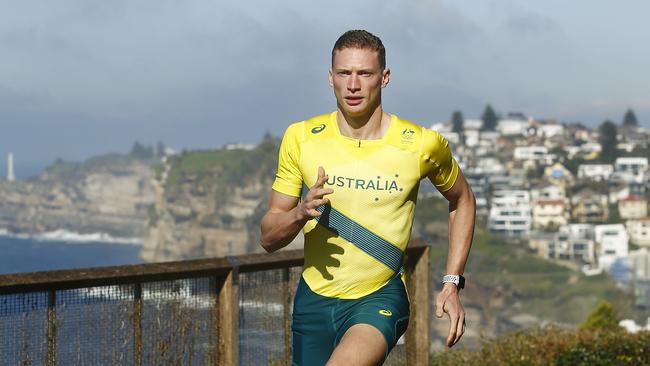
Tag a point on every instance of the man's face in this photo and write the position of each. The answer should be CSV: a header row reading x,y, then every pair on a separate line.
x,y
357,79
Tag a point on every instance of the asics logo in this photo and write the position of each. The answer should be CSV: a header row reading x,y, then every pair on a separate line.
x,y
318,128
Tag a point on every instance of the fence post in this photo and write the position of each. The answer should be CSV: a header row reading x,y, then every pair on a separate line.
x,y
137,324
286,296
229,316
51,328
417,334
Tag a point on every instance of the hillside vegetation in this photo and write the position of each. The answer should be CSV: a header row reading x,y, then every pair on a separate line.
x,y
526,283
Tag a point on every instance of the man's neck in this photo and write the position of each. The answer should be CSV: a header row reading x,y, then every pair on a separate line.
x,y
368,127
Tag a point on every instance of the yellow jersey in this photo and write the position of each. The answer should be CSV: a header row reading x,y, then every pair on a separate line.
x,y
357,244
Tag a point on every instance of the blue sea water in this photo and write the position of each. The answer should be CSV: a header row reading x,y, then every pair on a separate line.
x,y
28,254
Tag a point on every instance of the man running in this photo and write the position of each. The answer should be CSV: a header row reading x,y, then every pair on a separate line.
x,y
350,180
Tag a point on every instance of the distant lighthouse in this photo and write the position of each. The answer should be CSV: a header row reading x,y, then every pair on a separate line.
x,y
10,168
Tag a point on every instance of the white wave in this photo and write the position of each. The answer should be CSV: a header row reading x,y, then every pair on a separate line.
x,y
74,238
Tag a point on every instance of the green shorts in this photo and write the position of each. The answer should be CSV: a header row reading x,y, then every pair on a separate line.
x,y
319,322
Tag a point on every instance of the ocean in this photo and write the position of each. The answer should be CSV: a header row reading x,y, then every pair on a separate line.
x,y
64,250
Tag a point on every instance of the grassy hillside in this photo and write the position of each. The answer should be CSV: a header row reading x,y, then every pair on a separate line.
x,y
220,169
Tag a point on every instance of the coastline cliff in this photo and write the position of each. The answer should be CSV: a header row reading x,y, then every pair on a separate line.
x,y
105,194
209,203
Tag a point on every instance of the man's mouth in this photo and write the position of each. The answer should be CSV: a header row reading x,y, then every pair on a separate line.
x,y
354,100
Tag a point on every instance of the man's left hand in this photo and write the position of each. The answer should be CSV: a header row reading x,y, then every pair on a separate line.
x,y
448,302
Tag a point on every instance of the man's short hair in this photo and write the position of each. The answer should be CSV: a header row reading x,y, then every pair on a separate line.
x,y
361,39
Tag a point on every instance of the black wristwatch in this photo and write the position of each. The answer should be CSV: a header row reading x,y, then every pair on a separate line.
x,y
457,280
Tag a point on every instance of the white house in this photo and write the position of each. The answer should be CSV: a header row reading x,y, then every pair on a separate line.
x,y
618,192
613,241
589,150
489,166
550,129
631,169
511,197
579,231
549,212
512,127
472,124
472,137
510,220
571,244
632,207
490,136
595,172
548,192
506,182
639,231
534,153
442,127
452,137
510,212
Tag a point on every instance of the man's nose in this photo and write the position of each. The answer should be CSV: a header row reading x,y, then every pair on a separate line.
x,y
354,83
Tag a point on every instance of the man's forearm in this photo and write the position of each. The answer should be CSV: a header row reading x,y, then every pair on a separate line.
x,y
462,216
280,228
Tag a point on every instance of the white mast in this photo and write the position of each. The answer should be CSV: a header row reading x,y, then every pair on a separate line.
x,y
10,168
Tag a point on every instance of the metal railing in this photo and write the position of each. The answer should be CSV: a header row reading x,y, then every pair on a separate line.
x,y
227,311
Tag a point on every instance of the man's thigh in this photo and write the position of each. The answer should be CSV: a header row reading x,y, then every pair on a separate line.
x,y
362,345
313,329
320,323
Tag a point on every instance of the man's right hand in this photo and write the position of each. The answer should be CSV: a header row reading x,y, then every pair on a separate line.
x,y
315,197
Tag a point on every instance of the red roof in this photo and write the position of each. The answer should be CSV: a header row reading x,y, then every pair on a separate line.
x,y
550,202
632,199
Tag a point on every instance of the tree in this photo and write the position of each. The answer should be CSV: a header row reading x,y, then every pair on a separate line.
x,y
457,121
139,151
603,317
607,138
160,149
489,119
629,119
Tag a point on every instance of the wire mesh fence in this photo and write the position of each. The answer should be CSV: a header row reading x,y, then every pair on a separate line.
x,y
179,322
145,321
23,329
93,326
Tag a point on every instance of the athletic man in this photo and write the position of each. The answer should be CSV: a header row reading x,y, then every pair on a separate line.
x,y
350,179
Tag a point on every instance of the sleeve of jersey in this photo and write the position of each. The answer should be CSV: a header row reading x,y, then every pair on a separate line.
x,y
436,161
288,180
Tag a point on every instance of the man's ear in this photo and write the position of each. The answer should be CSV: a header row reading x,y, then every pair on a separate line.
x,y
385,77
330,77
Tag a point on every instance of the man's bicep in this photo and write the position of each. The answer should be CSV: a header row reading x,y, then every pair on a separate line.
x,y
280,202
459,188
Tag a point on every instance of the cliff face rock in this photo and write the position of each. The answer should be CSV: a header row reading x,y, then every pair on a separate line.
x,y
210,203
109,194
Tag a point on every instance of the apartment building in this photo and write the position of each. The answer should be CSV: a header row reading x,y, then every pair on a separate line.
x,y
510,213
639,231
613,244
595,172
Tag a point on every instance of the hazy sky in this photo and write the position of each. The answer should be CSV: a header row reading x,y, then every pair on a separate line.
x,y
84,77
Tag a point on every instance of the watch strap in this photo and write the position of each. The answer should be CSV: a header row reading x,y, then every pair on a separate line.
x,y
457,280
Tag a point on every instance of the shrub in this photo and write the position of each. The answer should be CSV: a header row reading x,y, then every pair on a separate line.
x,y
555,346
